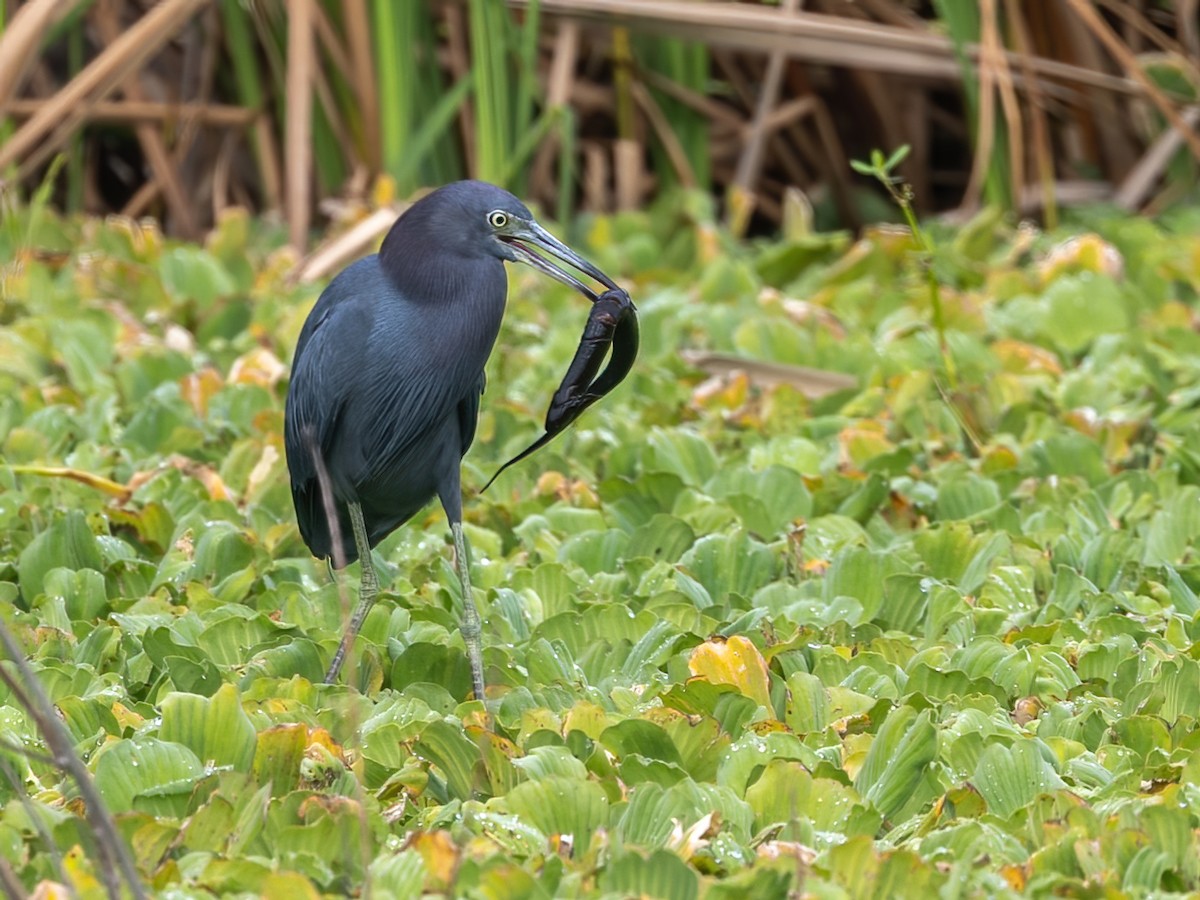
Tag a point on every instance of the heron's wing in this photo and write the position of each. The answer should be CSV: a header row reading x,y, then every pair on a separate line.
x,y
323,375
468,413
323,379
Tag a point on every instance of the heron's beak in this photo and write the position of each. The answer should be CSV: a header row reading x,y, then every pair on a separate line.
x,y
534,234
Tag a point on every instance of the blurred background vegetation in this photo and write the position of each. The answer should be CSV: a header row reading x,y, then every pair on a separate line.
x,y
321,110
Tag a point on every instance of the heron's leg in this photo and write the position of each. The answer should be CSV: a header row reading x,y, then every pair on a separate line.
x,y
472,627
367,592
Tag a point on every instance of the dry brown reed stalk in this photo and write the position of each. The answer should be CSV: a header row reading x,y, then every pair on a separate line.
x,y
152,140
1092,19
46,131
20,41
298,161
358,39
750,162
158,113
1043,154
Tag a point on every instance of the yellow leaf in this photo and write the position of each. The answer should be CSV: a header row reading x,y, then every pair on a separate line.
x,y
383,191
99,482
262,469
198,388
319,737
551,483
258,366
863,442
50,890
586,717
286,886
206,475
79,870
722,391
734,661
1014,875
1083,253
440,854
126,717
1018,356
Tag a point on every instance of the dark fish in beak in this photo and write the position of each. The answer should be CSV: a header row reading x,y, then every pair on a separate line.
x,y
612,323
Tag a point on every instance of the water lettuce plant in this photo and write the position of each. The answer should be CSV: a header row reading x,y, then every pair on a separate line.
x,y
741,637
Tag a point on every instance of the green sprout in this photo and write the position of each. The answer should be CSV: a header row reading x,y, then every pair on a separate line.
x,y
882,170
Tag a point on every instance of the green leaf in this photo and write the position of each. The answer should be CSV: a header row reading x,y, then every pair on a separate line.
x,y
561,806
662,874
640,737
967,497
453,753
680,453
546,762
277,755
595,551
435,663
788,793
1009,778
726,564
807,707
904,746
663,537
159,774
1080,308
216,729
68,543
898,156
190,273
1173,528
744,762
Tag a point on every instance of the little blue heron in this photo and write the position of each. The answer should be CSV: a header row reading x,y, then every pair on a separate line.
x,y
387,376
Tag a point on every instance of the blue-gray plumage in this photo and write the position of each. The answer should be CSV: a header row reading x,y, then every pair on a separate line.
x,y
388,373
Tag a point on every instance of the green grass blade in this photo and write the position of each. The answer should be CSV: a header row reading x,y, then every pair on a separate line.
x,y
565,195
393,66
527,143
433,129
963,24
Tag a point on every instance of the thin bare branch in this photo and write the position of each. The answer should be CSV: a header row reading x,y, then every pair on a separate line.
x,y
30,694
349,245
1043,154
38,821
666,136
990,38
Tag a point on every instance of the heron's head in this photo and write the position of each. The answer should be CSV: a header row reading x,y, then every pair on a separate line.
x,y
474,219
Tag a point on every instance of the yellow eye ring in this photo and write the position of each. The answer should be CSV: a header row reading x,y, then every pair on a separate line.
x,y
497,219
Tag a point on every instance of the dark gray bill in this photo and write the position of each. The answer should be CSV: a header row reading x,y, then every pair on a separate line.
x,y
538,236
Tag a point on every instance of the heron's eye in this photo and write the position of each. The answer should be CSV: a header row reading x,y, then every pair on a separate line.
x,y
497,219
